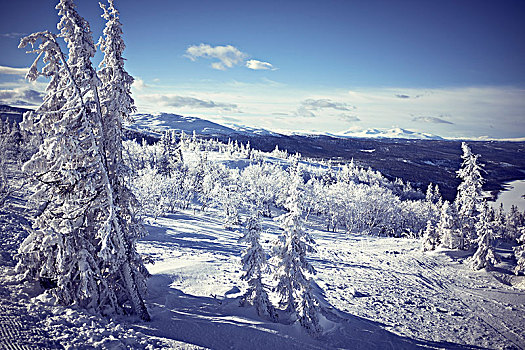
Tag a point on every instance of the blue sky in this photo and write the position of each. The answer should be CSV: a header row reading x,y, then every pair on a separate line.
x,y
453,68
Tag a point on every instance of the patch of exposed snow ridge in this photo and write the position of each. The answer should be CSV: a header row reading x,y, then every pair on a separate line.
x,y
394,133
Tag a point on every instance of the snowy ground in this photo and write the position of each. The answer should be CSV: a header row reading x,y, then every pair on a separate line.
x,y
376,292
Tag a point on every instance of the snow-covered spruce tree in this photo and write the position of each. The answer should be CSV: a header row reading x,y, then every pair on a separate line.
x,y
484,256
79,247
430,237
512,223
125,268
447,227
519,252
468,197
4,184
254,266
294,286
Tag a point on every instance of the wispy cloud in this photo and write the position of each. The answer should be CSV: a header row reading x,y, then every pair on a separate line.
x,y
405,96
21,96
435,120
259,65
309,106
302,111
323,103
191,102
13,35
349,118
226,56
13,71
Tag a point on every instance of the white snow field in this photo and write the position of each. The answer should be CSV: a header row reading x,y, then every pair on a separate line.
x,y
376,293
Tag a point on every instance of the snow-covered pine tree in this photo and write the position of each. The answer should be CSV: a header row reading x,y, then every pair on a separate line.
x,y
70,249
484,256
468,197
519,252
294,287
447,227
254,266
430,237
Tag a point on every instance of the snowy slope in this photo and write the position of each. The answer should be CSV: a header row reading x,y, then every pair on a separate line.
x,y
377,293
159,123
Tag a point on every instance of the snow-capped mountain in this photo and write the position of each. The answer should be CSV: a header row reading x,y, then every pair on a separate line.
x,y
250,130
158,123
394,133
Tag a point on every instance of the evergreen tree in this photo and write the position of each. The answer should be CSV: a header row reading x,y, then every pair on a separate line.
x,y
430,237
294,287
80,244
254,265
512,223
468,197
4,183
123,264
484,256
519,252
447,227
500,222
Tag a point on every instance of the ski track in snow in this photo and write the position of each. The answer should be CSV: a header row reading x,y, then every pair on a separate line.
x,y
376,293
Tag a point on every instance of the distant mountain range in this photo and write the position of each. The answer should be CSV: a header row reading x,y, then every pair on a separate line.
x,y
394,133
157,123
415,157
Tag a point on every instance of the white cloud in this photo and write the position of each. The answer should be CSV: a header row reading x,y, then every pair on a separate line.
x,y
475,111
21,97
13,71
323,103
259,65
139,84
349,118
228,56
171,100
302,111
435,120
